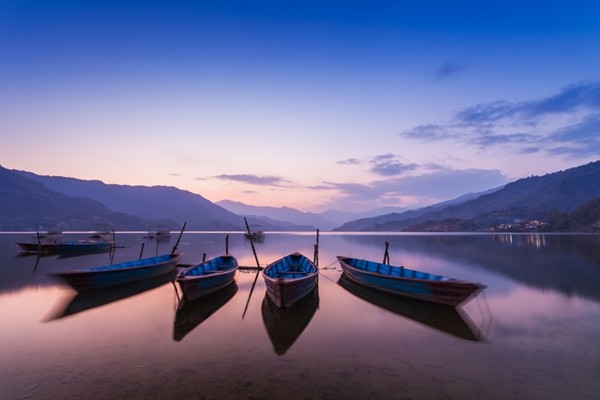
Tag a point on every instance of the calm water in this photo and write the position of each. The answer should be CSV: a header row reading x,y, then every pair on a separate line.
x,y
533,334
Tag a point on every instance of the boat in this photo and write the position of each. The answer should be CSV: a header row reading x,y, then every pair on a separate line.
x,y
285,325
191,314
159,233
449,320
406,282
208,276
118,274
290,278
69,247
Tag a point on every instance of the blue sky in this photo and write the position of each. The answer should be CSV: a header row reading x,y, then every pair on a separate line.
x,y
313,105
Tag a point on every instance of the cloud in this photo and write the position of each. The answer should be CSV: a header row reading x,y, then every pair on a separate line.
x,y
575,97
429,188
350,161
449,69
430,132
389,165
255,179
565,123
383,165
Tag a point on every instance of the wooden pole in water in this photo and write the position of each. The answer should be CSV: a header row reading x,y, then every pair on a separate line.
x,y
386,255
39,242
179,238
316,257
252,243
227,244
257,267
142,249
203,257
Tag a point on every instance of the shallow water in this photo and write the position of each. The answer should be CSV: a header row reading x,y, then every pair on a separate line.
x,y
534,333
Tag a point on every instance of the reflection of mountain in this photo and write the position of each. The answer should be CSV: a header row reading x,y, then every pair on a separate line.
x,y
99,297
191,314
452,321
568,264
285,325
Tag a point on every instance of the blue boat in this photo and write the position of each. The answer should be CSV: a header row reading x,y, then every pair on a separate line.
x,y
409,283
118,274
290,278
69,247
207,277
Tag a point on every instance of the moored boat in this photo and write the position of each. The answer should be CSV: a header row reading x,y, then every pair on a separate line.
x,y
409,283
69,247
118,274
290,278
207,277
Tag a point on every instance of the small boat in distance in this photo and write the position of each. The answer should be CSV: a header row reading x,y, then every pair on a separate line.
x,y
207,277
69,247
118,274
290,278
160,232
409,283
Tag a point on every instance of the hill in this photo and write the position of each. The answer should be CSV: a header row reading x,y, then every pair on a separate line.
x,y
533,198
26,204
282,216
164,203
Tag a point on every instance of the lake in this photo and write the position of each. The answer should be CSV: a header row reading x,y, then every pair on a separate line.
x,y
534,333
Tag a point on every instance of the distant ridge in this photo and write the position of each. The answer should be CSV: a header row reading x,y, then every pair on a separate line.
x,y
529,198
27,205
279,214
165,203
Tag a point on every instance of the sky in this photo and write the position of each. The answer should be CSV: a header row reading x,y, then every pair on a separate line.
x,y
315,105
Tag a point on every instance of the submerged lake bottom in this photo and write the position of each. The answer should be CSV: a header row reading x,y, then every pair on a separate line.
x,y
533,333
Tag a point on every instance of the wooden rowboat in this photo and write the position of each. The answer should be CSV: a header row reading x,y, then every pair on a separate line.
x,y
70,247
207,277
409,283
118,274
290,278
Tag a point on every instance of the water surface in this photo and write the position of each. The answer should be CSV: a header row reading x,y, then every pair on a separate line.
x,y
534,333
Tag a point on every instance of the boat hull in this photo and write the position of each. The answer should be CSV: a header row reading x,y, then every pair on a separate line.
x,y
119,274
66,247
444,291
289,279
207,277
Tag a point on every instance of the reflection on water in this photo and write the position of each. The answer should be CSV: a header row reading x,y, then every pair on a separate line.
x,y
190,314
89,299
139,342
453,321
285,325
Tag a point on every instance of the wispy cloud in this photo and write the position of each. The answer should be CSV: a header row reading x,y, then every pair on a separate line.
x,y
255,179
383,165
449,69
428,188
566,123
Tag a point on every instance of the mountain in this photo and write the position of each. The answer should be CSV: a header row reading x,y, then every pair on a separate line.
x,y
530,198
27,205
283,216
166,203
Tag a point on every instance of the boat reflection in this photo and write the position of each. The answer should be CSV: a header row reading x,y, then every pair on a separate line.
x,y
285,325
452,321
190,314
94,298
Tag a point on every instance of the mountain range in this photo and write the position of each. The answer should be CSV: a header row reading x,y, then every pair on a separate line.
x,y
28,201
532,198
